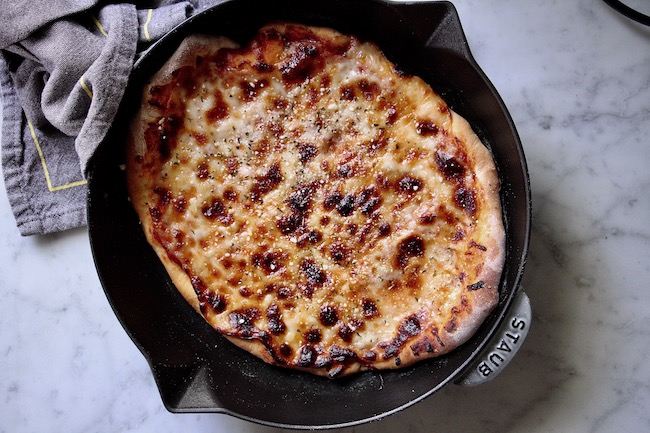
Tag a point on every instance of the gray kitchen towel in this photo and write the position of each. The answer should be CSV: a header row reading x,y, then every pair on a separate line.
x,y
64,66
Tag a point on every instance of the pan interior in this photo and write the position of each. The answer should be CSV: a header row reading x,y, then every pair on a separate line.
x,y
195,368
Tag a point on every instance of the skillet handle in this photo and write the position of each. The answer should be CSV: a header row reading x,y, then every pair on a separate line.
x,y
504,345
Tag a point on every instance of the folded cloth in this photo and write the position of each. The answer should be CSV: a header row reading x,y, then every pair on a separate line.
x,y
64,66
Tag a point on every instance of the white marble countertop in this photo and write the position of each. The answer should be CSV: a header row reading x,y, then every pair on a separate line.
x,y
576,78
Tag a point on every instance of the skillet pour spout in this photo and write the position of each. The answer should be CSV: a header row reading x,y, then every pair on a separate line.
x,y
196,369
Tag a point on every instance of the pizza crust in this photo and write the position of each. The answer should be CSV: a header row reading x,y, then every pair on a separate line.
x,y
418,333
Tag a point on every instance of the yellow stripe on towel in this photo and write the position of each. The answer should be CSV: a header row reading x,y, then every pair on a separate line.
x,y
44,164
82,82
146,25
99,26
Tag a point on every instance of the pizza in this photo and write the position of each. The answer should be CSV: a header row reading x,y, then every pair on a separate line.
x,y
319,207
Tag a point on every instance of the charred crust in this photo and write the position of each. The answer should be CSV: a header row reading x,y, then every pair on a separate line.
x,y
384,229
269,261
202,171
369,308
409,184
424,345
434,332
215,301
466,200
250,89
410,327
312,237
451,325
426,128
412,246
342,355
312,272
230,195
263,67
266,183
159,96
323,361
345,206
198,285
427,218
274,317
207,298
455,171
307,152
285,350
307,355
215,210
303,62
473,244
332,200
243,321
476,286
450,167
335,371
328,315
289,223
313,336
163,194
300,200
346,333
339,252
163,134
368,200
219,110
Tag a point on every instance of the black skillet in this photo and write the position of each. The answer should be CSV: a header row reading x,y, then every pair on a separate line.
x,y
197,370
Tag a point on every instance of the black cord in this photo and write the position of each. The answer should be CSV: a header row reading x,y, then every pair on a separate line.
x,y
629,12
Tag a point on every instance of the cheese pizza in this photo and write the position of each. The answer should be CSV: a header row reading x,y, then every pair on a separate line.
x,y
316,205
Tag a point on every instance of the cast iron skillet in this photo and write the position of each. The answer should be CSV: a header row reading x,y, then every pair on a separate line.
x,y
197,370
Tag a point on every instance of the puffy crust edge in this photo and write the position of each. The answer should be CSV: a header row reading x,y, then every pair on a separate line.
x,y
483,301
